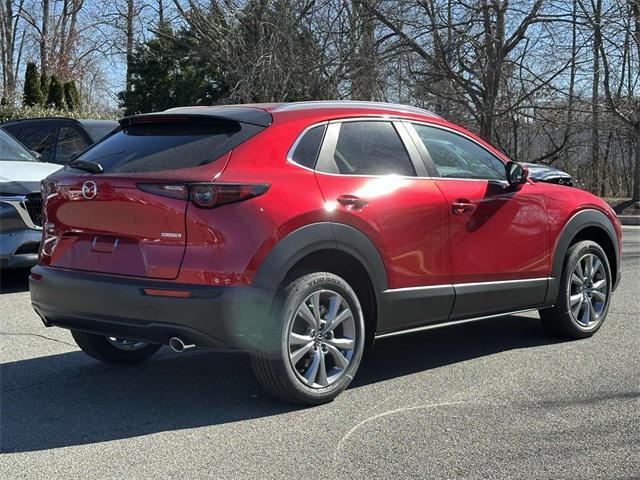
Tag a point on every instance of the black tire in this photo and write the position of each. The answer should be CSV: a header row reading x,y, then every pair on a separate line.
x,y
559,320
102,349
277,373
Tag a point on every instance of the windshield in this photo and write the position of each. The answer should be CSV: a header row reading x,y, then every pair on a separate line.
x,y
12,151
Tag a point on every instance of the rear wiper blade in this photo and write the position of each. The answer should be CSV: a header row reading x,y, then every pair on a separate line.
x,y
87,166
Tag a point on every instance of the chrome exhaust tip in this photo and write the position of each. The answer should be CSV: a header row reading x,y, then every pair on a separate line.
x,y
177,345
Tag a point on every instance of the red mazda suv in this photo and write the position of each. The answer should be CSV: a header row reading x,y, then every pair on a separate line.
x,y
302,232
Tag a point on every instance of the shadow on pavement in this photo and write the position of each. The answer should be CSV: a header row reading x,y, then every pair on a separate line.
x,y
14,280
68,399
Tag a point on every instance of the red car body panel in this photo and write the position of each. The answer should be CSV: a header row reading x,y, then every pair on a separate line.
x,y
509,233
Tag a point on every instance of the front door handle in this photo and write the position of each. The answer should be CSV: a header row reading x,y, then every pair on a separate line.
x,y
352,201
462,206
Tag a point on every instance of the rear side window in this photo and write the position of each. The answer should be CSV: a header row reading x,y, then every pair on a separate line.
x,y
307,149
371,148
170,145
70,143
98,130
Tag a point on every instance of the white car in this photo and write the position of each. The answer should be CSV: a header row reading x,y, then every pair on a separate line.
x,y
20,203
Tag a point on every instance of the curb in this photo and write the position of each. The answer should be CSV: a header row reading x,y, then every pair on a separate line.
x,y
629,219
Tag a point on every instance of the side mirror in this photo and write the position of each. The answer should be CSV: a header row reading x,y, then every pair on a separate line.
x,y
517,173
36,154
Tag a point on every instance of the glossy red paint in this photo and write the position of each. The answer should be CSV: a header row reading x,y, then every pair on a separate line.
x,y
498,232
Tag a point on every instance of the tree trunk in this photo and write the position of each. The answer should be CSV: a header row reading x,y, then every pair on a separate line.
x,y
595,108
130,39
364,74
636,171
8,48
44,60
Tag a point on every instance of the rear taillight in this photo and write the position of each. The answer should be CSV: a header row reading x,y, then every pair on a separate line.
x,y
172,190
50,237
206,195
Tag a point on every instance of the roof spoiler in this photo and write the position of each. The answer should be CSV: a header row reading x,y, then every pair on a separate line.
x,y
253,116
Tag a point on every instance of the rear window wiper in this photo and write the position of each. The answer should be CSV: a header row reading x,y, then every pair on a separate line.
x,y
87,166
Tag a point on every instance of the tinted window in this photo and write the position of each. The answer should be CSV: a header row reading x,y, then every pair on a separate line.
x,y
371,148
457,157
70,143
40,137
149,147
12,151
98,130
308,147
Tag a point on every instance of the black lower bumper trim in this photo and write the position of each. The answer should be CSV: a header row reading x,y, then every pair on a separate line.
x,y
231,318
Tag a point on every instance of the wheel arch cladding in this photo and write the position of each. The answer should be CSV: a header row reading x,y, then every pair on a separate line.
x,y
316,237
337,248
584,225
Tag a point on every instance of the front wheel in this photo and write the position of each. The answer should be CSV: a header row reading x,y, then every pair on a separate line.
x,y
316,343
114,350
585,292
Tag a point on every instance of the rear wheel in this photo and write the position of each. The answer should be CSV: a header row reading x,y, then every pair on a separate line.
x,y
316,342
585,291
113,349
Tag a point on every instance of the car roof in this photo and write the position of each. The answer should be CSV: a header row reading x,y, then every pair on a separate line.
x,y
350,104
262,113
81,121
308,105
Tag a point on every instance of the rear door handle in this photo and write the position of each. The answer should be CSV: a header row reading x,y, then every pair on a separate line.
x,y
352,201
462,206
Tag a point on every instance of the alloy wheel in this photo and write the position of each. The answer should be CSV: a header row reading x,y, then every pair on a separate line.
x,y
588,292
321,338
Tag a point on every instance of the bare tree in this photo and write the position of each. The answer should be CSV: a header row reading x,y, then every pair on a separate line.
x,y
11,47
621,66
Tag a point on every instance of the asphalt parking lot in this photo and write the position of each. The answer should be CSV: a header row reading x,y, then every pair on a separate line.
x,y
495,399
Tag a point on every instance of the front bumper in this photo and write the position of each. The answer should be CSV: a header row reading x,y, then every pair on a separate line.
x,y
228,318
19,241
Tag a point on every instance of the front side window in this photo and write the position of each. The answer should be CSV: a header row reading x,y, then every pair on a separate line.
x,y
457,157
370,148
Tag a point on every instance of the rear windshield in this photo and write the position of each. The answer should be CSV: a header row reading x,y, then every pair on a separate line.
x,y
171,145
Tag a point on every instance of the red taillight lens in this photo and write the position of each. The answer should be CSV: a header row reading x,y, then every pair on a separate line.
x,y
210,195
206,195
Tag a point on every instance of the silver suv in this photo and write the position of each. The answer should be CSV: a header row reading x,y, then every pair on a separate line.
x,y
20,203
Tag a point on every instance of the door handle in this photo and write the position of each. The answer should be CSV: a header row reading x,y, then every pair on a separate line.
x,y
462,206
352,201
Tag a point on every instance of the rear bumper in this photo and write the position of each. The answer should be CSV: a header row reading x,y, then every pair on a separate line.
x,y
229,318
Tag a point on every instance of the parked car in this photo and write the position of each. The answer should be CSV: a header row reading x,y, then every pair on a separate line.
x,y
20,203
301,232
548,174
58,139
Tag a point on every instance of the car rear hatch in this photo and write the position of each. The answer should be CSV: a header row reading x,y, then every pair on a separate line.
x,y
119,208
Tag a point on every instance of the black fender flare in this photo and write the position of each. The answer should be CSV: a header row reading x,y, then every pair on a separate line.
x,y
578,222
315,237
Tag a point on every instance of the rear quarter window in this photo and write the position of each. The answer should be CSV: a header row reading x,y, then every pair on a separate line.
x,y
308,147
170,145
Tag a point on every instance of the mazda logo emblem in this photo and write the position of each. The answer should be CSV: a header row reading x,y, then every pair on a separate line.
x,y
89,190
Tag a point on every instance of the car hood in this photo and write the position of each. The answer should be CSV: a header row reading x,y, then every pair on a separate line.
x,y
543,172
21,178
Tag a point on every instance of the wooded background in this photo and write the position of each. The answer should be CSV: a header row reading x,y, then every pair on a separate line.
x,y
546,81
